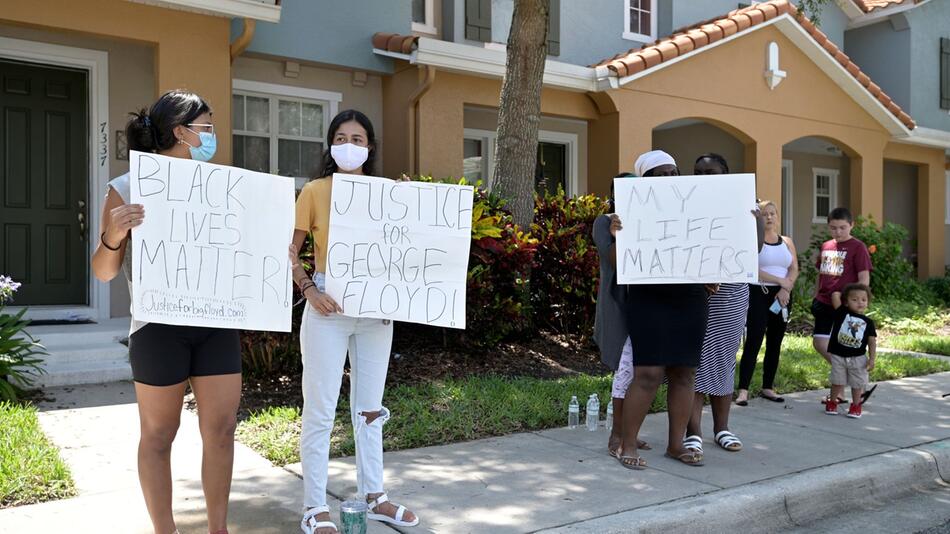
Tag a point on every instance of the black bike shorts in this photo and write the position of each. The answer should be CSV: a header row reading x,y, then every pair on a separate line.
x,y
165,355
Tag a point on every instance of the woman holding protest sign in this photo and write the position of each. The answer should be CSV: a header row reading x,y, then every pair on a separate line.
x,y
717,367
167,358
666,324
327,336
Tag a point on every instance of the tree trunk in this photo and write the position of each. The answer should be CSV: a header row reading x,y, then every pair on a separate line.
x,y
519,114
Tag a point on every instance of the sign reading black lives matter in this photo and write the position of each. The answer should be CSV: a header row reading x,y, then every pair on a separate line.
x,y
399,250
686,229
212,250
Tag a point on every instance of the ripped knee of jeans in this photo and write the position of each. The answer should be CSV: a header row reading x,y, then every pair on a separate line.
x,y
378,417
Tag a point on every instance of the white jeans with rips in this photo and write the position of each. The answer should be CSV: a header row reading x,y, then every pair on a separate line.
x,y
324,343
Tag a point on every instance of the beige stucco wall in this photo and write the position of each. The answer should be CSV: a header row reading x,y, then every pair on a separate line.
x,y
803,187
686,143
900,200
367,98
131,87
487,119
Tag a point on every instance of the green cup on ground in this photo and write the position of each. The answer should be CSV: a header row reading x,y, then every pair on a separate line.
x,y
353,517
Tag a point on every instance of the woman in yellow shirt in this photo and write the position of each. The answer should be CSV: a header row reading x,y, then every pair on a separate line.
x,y
326,336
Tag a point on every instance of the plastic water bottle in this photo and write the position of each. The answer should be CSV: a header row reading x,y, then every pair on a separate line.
x,y
593,412
609,421
573,413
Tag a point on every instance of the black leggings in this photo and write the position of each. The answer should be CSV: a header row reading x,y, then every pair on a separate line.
x,y
762,322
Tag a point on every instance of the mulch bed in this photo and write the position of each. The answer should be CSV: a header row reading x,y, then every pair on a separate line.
x,y
422,355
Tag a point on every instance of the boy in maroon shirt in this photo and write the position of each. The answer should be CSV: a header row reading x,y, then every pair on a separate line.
x,y
842,260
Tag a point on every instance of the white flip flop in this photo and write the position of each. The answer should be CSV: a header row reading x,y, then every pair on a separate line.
x,y
727,440
400,513
693,443
309,523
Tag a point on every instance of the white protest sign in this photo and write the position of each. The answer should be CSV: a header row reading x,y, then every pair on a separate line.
x,y
686,229
212,250
399,250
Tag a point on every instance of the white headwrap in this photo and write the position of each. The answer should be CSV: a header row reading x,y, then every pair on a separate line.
x,y
651,160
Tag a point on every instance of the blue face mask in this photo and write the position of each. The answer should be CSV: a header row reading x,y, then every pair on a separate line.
x,y
205,151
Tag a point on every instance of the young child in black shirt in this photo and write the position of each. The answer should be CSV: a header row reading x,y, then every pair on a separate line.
x,y
852,336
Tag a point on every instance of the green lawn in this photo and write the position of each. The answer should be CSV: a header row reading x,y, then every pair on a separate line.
x,y
31,470
920,343
483,406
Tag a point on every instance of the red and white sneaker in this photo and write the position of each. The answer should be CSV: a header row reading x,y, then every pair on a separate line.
x,y
831,407
854,411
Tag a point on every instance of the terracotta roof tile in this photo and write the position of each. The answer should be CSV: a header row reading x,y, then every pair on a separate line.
x,y
708,32
870,5
393,42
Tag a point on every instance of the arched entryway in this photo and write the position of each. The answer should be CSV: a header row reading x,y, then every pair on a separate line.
x,y
688,138
816,178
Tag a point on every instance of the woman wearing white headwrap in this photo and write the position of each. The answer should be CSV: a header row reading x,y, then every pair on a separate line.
x,y
666,323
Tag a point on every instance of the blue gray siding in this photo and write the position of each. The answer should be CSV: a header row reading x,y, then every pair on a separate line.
x,y
884,55
331,32
928,23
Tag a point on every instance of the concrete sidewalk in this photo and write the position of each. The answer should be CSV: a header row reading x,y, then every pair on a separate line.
x,y
798,465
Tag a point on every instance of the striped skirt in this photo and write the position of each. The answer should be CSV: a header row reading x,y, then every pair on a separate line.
x,y
727,314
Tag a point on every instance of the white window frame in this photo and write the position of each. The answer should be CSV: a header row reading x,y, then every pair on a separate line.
x,y
832,192
639,37
788,199
489,138
330,101
947,199
429,25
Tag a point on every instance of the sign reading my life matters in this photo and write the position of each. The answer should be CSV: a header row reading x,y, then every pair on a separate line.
x,y
686,229
212,250
399,250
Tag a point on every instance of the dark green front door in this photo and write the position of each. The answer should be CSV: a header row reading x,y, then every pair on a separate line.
x,y
551,171
44,177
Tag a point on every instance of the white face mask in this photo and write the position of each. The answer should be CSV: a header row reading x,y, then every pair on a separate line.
x,y
349,157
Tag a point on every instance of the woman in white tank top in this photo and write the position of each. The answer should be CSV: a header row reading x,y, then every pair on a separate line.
x,y
778,270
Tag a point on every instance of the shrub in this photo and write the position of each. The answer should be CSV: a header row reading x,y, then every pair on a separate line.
x,y
892,276
567,271
499,269
939,289
19,351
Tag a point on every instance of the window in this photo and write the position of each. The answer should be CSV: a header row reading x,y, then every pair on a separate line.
x,y
639,20
557,159
280,129
478,20
825,193
944,73
478,152
423,16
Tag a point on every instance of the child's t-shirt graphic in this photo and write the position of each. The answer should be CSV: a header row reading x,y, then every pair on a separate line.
x,y
850,333
838,265
832,262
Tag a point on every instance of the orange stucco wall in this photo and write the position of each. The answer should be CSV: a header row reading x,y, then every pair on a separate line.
x,y
191,50
726,86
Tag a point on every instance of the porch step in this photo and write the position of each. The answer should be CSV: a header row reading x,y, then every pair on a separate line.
x,y
83,354
76,373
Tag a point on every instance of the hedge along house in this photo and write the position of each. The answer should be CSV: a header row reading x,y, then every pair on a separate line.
x,y
70,72
761,85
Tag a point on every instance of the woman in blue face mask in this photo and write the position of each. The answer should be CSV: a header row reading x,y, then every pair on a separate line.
x,y
166,358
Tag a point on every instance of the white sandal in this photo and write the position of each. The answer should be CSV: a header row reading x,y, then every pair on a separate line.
x,y
693,443
727,440
400,513
309,522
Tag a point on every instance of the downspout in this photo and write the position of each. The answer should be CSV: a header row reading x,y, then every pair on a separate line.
x,y
244,40
412,116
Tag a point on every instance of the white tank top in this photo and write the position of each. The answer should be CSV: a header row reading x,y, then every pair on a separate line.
x,y
775,259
